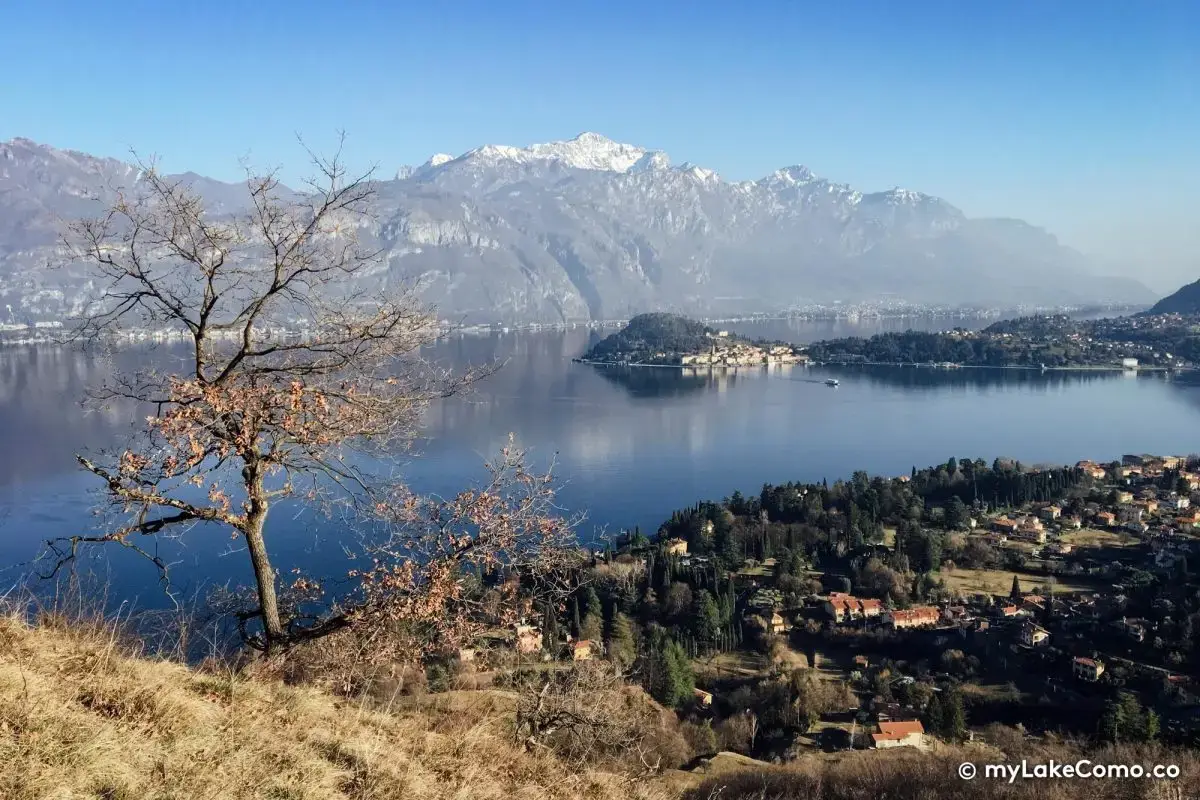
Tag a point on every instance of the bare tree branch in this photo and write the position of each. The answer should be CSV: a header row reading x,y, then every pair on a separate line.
x,y
290,374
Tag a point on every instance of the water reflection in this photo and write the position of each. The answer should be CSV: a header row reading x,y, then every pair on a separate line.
x,y
631,444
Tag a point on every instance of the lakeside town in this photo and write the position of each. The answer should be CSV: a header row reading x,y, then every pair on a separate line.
x,y
1055,601
1161,342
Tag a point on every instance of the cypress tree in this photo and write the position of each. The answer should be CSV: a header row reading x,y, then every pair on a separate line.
x,y
622,648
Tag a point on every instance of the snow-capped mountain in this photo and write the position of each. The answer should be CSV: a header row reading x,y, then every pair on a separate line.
x,y
590,228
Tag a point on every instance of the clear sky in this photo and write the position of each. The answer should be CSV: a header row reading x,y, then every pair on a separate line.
x,y
1082,117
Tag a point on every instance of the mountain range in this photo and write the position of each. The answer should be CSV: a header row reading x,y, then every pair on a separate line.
x,y
591,229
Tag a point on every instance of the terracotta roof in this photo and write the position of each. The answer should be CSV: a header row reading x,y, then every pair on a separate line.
x,y
895,731
915,614
1085,661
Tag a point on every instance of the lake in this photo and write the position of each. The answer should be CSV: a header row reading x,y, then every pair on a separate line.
x,y
631,445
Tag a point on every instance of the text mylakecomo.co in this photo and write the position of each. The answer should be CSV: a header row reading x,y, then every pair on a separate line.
x,y
1083,768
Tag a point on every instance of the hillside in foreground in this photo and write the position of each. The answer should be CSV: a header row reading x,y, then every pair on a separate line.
x,y
78,719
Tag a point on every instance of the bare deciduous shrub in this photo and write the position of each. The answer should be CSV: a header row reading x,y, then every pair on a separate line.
x,y
588,714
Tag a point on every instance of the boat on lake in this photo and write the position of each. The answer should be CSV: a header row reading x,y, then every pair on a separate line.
x,y
831,382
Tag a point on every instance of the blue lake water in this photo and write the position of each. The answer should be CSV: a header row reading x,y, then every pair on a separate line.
x,y
630,445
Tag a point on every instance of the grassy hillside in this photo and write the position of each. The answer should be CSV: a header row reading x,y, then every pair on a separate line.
x,y
81,719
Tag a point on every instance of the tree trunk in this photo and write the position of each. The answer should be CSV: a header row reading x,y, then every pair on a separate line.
x,y
264,573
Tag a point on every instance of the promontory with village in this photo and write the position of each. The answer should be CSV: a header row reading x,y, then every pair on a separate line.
x,y
1156,341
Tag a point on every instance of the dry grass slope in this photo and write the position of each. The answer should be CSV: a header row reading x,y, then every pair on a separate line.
x,y
81,719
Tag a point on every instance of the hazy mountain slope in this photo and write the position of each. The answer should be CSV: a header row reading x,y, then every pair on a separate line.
x,y
1186,300
594,229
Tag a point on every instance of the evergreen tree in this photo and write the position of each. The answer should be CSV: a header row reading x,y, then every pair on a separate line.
x,y
669,672
576,624
935,718
593,627
1125,720
706,619
592,602
622,648
956,513
954,719
1015,594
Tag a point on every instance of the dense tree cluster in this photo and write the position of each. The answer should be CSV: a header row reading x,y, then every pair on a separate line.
x,y
1052,341
649,334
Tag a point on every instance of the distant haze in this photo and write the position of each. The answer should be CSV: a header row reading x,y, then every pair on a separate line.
x,y
1080,118
592,229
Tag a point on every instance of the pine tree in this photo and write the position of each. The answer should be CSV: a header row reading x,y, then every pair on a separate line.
x,y
954,720
706,619
592,628
1015,594
591,602
935,720
622,648
669,671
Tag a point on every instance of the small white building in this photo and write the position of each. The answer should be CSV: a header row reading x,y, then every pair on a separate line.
x,y
1034,635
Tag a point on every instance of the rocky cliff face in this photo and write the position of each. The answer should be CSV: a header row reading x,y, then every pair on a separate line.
x,y
594,229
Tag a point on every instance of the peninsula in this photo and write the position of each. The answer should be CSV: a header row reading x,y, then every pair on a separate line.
x,y
661,339
1164,341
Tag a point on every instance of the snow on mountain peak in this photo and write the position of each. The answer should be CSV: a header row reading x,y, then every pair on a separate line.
x,y
898,196
791,176
586,151
653,160
437,159
698,172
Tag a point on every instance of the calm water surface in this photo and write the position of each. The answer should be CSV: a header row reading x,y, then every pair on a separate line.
x,y
630,445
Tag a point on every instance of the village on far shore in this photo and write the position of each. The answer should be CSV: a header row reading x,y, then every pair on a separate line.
x,y
1162,343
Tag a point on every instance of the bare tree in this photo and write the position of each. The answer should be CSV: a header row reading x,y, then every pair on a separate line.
x,y
290,372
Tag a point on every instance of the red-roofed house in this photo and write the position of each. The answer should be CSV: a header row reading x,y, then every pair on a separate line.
x,y
870,608
843,607
899,734
1087,668
581,650
919,617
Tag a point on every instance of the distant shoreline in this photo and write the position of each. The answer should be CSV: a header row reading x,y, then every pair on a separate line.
x,y
906,365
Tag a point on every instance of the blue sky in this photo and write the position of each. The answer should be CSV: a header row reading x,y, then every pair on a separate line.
x,y
1083,117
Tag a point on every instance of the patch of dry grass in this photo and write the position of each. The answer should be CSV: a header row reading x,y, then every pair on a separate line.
x,y
82,718
999,581
1090,537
